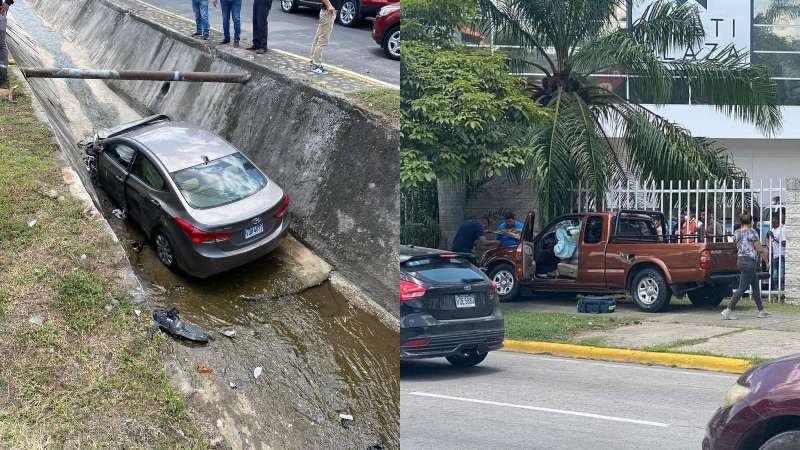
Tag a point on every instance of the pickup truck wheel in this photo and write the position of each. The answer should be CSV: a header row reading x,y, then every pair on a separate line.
x,y
507,286
706,296
650,291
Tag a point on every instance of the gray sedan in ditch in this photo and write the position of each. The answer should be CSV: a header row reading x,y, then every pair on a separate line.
x,y
204,205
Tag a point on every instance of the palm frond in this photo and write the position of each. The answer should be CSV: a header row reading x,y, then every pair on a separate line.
x,y
666,26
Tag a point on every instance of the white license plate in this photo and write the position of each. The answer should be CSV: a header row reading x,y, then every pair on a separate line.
x,y
465,301
253,231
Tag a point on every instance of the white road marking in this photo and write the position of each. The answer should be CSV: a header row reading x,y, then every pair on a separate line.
x,y
540,409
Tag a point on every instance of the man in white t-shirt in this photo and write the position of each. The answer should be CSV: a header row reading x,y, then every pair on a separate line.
x,y
777,247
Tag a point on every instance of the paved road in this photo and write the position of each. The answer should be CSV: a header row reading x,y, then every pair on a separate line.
x,y
515,400
352,49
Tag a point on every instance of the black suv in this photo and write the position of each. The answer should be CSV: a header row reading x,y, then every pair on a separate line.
x,y
448,307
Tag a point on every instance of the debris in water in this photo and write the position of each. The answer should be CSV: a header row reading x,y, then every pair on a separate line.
x,y
159,288
168,321
203,369
345,419
257,372
36,320
31,223
229,332
137,246
233,385
119,214
248,298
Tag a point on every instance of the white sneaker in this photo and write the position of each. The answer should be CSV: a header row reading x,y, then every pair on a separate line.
x,y
320,70
763,314
727,314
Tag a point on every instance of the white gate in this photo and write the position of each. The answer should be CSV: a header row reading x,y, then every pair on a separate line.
x,y
707,211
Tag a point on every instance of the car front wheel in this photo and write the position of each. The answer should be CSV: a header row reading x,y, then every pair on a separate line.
x,y
650,291
391,43
473,359
165,249
349,13
505,281
788,440
289,5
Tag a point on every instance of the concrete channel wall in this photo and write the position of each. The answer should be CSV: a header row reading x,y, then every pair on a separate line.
x,y
338,162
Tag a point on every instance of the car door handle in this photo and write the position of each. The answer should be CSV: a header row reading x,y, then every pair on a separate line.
x,y
155,202
119,178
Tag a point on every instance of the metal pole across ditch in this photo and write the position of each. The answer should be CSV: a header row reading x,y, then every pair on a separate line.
x,y
100,74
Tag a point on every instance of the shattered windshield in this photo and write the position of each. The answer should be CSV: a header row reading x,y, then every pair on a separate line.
x,y
219,182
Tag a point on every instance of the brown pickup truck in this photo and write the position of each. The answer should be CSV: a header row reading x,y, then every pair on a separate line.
x,y
615,252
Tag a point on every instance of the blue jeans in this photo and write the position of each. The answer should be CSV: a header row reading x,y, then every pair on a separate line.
x,y
231,8
200,8
778,272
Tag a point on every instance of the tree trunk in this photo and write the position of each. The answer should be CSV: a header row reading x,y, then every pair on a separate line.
x,y
452,196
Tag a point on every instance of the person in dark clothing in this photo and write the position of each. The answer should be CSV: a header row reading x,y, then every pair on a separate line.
x,y
470,232
4,90
260,25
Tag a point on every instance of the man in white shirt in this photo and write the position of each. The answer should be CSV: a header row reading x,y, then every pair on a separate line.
x,y
777,247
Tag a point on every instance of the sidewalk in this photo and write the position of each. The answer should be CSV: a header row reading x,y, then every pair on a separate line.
x,y
682,328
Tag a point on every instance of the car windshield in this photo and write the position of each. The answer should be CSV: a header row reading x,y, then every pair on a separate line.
x,y
443,270
219,182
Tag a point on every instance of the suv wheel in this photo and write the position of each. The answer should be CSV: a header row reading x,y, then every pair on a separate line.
x,y
650,291
706,296
164,249
350,13
503,276
473,359
788,440
391,43
289,5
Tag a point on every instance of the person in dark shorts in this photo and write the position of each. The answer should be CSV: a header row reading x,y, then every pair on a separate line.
x,y
472,231
748,249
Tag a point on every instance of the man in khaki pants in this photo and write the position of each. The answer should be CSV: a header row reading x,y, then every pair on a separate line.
x,y
326,18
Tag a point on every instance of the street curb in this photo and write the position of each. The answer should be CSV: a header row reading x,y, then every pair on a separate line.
x,y
713,363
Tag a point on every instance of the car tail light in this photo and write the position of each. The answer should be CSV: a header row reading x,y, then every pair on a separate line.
x,y
417,342
284,206
705,259
410,291
199,236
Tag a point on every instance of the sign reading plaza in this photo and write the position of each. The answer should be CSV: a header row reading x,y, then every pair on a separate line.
x,y
726,22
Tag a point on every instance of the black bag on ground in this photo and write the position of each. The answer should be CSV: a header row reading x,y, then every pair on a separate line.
x,y
596,305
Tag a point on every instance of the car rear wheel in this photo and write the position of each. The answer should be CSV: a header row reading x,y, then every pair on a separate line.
x,y
706,296
391,43
289,5
473,359
350,13
164,249
505,281
788,440
650,291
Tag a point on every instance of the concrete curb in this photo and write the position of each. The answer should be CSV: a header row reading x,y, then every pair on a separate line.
x,y
713,363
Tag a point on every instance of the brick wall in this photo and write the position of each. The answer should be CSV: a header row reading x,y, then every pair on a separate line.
x,y
501,194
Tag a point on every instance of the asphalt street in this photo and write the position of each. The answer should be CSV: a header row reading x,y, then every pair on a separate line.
x,y
516,400
350,48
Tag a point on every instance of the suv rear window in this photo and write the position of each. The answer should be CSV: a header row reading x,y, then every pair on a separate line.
x,y
219,182
442,270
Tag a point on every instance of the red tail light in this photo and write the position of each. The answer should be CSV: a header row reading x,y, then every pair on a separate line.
x,y
284,206
416,342
705,259
410,291
199,236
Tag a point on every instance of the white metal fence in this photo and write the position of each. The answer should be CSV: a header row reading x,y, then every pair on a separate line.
x,y
707,211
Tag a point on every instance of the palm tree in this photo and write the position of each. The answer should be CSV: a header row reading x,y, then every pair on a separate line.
x,y
596,135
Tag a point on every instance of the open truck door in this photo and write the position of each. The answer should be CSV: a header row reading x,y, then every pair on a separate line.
x,y
526,242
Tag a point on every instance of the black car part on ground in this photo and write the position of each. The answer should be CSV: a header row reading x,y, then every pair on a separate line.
x,y
169,322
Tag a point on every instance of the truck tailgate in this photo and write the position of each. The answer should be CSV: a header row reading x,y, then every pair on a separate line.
x,y
723,256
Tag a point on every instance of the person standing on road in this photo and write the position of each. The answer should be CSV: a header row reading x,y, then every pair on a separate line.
x,y
260,25
200,8
748,248
326,18
4,90
469,233
231,9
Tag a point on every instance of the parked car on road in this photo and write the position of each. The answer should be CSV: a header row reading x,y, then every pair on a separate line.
x,y
448,308
760,411
615,252
205,206
387,30
349,12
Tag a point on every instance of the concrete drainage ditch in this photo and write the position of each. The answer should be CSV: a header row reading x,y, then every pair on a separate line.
x,y
321,357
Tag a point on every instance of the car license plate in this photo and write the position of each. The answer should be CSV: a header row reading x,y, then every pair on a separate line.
x,y
253,231
465,301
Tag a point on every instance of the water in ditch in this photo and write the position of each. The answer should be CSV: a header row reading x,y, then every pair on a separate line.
x,y
320,356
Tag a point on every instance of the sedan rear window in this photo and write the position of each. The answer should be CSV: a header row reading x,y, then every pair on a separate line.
x,y
219,182
443,270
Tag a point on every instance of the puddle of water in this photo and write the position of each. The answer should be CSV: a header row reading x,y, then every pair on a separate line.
x,y
320,355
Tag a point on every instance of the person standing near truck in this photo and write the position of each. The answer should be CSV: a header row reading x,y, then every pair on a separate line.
x,y
469,233
748,249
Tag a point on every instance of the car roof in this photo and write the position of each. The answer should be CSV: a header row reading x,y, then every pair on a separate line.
x,y
412,251
180,145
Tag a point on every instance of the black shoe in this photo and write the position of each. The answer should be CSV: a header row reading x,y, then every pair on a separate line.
x,y
225,41
196,34
261,51
253,48
236,44
205,37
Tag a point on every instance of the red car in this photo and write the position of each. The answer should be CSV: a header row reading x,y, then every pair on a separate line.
x,y
387,30
351,12
760,411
